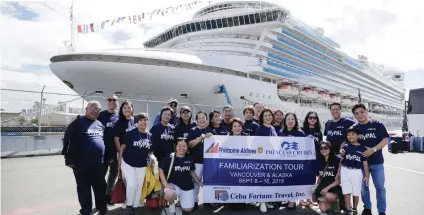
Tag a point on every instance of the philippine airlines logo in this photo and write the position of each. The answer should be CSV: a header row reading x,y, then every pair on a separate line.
x,y
289,145
213,148
221,195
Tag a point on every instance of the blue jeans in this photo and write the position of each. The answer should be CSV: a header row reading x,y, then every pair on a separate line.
x,y
378,179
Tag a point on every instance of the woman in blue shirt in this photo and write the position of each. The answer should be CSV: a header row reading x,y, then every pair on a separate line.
x,y
265,129
195,139
215,122
135,149
184,124
328,188
250,126
163,134
278,121
180,181
291,126
124,124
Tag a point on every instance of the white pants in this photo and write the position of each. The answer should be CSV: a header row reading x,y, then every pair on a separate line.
x,y
199,173
134,179
351,181
186,197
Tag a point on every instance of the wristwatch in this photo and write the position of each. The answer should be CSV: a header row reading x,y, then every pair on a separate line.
x,y
374,149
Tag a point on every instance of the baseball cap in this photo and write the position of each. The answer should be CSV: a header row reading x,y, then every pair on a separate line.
x,y
172,100
184,108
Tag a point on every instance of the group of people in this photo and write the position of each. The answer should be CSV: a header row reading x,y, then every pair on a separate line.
x,y
120,141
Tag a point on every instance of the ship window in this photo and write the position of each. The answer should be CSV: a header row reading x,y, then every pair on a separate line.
x,y
236,21
230,22
269,16
213,22
197,24
246,19
224,22
208,25
276,15
193,27
188,28
257,18
202,26
184,29
263,17
241,20
252,19
219,21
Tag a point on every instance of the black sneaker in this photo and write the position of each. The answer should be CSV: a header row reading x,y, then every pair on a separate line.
x,y
103,212
354,211
196,206
109,200
366,211
129,210
382,213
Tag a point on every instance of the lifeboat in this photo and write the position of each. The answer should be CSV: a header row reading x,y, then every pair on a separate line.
x,y
335,98
323,96
287,90
308,93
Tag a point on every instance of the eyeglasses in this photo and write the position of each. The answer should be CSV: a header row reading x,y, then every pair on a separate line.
x,y
173,104
312,117
324,148
111,100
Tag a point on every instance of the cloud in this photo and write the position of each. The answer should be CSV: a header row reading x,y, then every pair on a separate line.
x,y
386,31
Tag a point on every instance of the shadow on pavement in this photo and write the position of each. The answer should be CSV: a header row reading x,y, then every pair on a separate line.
x,y
207,211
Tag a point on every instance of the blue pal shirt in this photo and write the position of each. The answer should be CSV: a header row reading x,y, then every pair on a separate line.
x,y
197,151
123,126
250,127
92,147
265,131
138,146
162,140
328,174
225,125
109,120
353,157
292,133
221,130
372,134
180,173
182,129
337,132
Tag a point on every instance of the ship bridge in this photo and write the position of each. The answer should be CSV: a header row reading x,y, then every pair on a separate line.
x,y
230,7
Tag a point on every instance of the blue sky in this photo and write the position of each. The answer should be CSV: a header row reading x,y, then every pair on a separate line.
x,y
386,31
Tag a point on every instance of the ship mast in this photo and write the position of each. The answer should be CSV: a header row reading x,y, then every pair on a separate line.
x,y
72,27
71,47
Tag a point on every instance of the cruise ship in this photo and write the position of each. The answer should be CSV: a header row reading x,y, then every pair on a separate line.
x,y
239,53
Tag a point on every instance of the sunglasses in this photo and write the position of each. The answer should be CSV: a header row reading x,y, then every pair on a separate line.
x,y
111,100
324,148
312,117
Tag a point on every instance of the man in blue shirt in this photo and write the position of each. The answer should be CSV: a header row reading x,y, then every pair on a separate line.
x,y
173,103
374,136
84,153
108,118
335,129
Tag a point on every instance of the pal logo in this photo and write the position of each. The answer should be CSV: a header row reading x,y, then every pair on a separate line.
x,y
221,195
290,145
213,149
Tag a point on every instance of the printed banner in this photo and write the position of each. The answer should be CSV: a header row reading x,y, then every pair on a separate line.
x,y
258,169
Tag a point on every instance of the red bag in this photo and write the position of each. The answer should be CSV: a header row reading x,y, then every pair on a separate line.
x,y
119,190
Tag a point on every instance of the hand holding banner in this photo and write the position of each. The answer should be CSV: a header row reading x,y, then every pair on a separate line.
x,y
258,169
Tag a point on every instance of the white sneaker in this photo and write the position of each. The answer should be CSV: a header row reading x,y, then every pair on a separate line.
x,y
171,208
123,205
269,206
263,207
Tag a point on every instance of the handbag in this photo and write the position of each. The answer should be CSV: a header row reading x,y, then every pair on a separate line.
x,y
119,190
162,200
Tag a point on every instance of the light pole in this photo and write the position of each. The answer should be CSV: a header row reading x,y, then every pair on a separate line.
x,y
40,109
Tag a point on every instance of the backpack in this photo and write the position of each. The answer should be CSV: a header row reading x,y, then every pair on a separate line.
x,y
68,134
